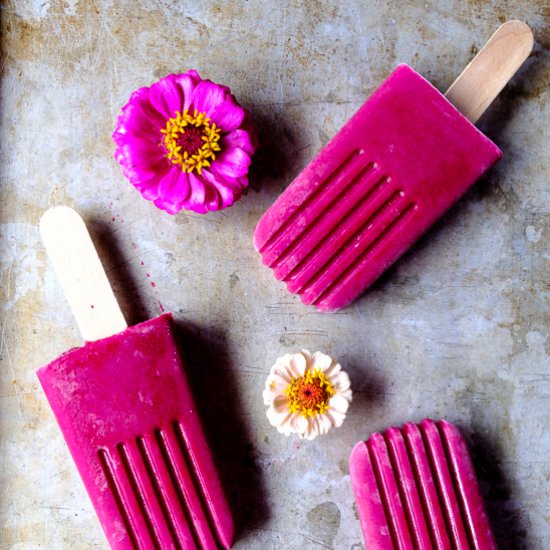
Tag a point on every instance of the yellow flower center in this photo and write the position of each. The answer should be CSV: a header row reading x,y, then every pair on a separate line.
x,y
309,395
191,140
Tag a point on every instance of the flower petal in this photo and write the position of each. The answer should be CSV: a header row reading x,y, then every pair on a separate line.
x,y
237,138
140,161
321,361
313,428
173,190
132,121
195,201
166,96
207,96
228,189
324,422
297,365
278,417
188,82
231,162
338,403
141,101
340,381
280,369
337,418
275,386
228,115
299,424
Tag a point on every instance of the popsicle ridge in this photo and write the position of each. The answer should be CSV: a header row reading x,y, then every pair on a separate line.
x,y
464,477
391,216
389,489
415,487
328,227
447,491
366,184
304,209
135,528
374,247
159,493
427,487
414,508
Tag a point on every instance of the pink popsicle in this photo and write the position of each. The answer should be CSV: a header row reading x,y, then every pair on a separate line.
x,y
130,422
468,493
421,473
399,163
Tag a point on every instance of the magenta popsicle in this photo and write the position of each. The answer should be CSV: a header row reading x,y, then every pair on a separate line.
x,y
131,425
400,162
415,487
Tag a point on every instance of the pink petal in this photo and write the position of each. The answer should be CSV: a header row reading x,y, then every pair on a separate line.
x,y
233,163
188,82
133,122
166,96
207,96
227,115
140,161
213,200
173,190
225,195
139,152
151,191
139,174
233,184
195,201
238,138
140,99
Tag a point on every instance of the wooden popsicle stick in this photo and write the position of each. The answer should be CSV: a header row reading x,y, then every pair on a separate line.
x,y
81,274
489,71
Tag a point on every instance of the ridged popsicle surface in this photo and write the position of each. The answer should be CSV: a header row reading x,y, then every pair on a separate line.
x,y
130,422
415,488
400,162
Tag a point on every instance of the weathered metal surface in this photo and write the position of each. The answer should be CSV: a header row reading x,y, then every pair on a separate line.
x,y
457,329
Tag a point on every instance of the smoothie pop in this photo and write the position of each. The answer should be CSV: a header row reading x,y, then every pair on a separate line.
x,y
416,487
126,412
400,162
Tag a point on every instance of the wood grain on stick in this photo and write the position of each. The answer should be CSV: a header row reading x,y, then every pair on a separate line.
x,y
82,277
495,64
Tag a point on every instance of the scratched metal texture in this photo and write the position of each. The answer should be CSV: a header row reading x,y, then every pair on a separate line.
x,y
457,329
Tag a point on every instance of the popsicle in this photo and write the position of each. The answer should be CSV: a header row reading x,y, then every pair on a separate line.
x,y
399,163
416,487
126,412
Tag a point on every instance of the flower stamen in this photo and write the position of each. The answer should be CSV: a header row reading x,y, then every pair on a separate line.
x,y
309,395
191,141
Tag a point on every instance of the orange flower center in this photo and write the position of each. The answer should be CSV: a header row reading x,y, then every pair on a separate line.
x,y
309,395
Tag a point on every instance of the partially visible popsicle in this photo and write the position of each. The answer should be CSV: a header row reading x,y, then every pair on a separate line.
x,y
126,412
416,488
401,161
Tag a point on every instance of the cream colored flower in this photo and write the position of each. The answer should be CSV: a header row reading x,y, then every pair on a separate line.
x,y
306,394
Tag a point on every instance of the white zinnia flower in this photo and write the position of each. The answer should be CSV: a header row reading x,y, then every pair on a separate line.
x,y
306,394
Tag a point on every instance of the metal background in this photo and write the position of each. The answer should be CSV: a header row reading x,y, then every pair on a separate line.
x,y
457,329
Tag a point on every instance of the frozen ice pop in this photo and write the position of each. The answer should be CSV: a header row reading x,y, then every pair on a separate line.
x,y
126,412
416,487
399,163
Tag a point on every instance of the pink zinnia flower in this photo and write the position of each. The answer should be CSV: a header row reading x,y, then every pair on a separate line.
x,y
185,142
